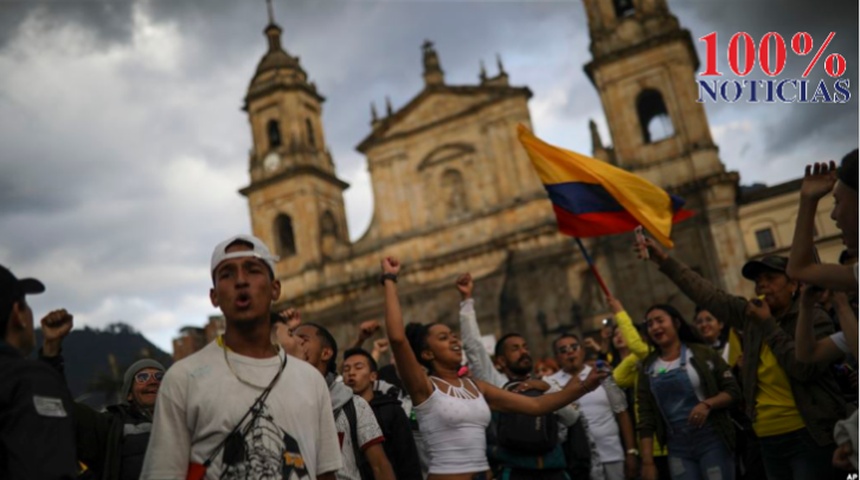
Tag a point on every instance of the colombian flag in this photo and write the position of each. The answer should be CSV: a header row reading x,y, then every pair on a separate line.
x,y
592,198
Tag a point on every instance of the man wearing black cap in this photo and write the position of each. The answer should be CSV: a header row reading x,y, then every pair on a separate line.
x,y
793,405
37,431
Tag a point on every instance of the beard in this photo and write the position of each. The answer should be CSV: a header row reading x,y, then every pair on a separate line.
x,y
522,367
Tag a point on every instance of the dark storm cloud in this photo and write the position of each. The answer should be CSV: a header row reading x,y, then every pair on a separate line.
x,y
122,142
791,125
109,20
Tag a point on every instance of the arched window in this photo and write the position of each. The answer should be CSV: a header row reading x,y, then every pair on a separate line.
x,y
653,116
274,132
312,140
328,225
454,192
286,239
624,8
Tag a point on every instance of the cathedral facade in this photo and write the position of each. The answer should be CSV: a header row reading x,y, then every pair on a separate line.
x,y
454,191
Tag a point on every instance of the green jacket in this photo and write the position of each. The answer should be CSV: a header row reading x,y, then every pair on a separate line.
x,y
715,376
815,391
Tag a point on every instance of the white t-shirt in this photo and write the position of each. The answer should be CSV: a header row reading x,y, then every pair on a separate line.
x,y
839,339
368,434
664,366
201,400
599,407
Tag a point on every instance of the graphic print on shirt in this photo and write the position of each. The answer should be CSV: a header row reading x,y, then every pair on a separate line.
x,y
270,453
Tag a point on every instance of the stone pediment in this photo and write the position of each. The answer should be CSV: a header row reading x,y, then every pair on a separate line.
x,y
434,106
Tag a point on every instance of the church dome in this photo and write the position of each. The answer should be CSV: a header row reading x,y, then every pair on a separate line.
x,y
277,58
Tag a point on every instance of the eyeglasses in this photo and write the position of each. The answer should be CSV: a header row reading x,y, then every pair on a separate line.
x,y
568,348
144,377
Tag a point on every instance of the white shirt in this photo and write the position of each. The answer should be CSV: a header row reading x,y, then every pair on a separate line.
x,y
661,365
838,338
599,407
368,434
201,400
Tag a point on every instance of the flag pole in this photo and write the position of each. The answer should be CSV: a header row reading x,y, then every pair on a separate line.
x,y
592,267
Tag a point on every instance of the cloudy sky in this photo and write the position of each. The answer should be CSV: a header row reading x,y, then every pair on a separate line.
x,y
122,142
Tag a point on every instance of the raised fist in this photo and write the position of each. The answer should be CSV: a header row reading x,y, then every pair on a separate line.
x,y
56,325
380,346
390,265
292,318
367,329
465,285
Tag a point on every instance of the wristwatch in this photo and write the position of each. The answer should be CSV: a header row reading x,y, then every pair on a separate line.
x,y
633,451
388,276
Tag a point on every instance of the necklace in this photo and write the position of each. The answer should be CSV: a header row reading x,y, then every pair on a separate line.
x,y
242,380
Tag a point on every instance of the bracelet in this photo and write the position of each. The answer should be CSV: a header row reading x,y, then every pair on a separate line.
x,y
706,404
388,276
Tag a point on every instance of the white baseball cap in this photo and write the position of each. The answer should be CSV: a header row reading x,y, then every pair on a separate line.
x,y
259,250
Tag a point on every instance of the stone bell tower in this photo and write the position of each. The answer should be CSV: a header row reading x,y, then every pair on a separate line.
x,y
643,67
295,198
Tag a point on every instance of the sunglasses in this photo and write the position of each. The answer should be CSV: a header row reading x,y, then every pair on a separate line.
x,y
568,348
144,377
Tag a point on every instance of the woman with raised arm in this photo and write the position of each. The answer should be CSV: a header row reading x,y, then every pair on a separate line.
x,y
684,390
453,412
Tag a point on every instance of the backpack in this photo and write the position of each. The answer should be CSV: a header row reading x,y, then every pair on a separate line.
x,y
364,468
526,433
577,451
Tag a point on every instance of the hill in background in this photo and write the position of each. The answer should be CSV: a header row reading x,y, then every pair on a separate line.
x,y
97,359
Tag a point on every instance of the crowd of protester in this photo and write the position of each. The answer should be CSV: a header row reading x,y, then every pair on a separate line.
x,y
746,388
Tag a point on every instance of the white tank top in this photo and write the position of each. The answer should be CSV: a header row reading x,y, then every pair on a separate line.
x,y
454,429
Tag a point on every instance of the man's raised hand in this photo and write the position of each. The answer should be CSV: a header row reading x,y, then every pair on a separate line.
x,y
56,325
292,318
367,329
818,180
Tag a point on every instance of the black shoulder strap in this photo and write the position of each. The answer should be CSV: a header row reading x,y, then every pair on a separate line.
x,y
352,418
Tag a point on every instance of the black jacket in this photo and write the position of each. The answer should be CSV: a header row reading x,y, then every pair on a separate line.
x,y
112,444
399,445
815,391
37,428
